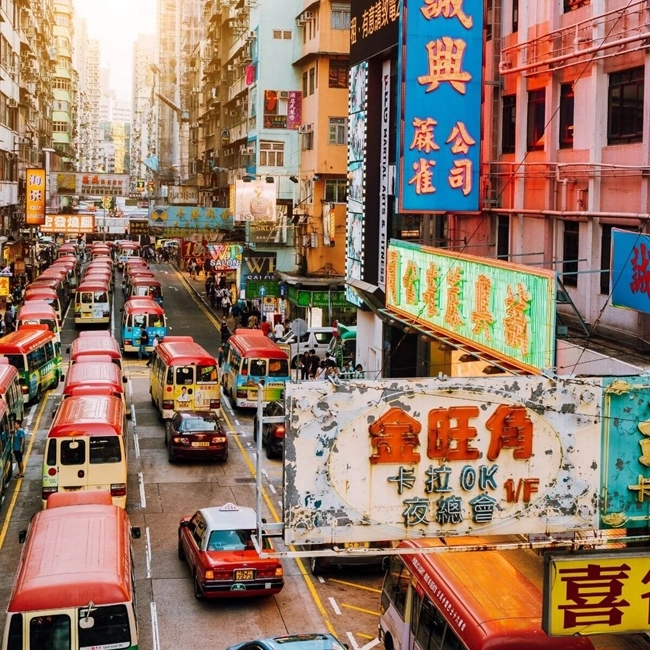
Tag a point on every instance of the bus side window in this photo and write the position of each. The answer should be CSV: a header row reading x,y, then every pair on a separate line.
x,y
50,631
49,351
184,376
396,585
15,640
73,452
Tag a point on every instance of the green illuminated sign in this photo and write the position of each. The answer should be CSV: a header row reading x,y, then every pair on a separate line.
x,y
322,299
503,308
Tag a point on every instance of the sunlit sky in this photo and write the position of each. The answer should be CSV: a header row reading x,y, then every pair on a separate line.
x,y
117,23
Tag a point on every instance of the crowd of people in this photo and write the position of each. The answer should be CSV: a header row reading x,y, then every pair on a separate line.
x,y
311,366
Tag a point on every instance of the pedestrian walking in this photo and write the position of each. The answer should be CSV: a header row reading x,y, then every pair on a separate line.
x,y
9,319
212,294
144,342
19,447
225,332
156,341
314,364
225,305
278,330
265,326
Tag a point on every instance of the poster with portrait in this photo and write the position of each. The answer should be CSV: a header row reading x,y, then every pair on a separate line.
x,y
255,201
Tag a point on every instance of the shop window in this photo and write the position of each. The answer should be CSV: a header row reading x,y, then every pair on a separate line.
x,y
515,16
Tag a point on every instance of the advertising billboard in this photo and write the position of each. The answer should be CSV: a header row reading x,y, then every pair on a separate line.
x,y
630,277
508,310
79,183
225,257
441,54
596,592
69,224
35,195
180,221
374,28
398,459
183,194
255,201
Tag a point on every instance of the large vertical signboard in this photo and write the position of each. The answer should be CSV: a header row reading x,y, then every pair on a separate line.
x,y
398,459
630,276
384,175
357,128
35,197
507,310
597,592
373,27
440,98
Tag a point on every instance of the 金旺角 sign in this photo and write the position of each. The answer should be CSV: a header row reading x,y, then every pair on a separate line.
x,y
35,197
505,309
596,592
395,459
441,46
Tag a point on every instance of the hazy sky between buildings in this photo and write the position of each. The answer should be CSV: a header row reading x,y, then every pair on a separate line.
x,y
117,23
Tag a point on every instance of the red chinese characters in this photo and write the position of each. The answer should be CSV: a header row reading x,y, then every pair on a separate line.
x,y
394,438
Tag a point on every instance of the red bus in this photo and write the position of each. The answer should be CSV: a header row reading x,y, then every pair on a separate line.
x,y
475,600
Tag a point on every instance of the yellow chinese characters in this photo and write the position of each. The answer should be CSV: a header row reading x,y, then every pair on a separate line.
x,y
410,282
423,136
481,317
515,324
423,177
447,9
431,294
453,316
445,60
461,138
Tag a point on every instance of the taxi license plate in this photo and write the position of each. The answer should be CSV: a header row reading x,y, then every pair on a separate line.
x,y
200,444
356,545
244,574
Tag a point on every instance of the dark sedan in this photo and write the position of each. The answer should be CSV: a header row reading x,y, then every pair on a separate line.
x,y
195,435
272,434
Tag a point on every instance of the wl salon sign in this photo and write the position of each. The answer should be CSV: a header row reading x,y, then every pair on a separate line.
x,y
398,459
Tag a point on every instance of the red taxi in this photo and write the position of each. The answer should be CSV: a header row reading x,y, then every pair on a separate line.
x,y
217,544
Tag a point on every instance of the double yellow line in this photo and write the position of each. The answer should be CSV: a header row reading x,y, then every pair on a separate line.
x,y
251,468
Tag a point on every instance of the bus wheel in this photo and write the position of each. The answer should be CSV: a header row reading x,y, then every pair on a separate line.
x,y
388,642
315,566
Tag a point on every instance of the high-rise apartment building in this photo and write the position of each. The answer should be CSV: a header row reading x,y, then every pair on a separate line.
x,y
64,113
180,28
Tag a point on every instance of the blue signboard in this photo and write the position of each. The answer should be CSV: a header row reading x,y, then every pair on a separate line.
x,y
625,467
630,270
441,46
190,219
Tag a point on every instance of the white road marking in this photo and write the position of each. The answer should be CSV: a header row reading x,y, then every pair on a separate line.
x,y
321,579
370,644
147,550
248,444
174,288
143,498
30,415
154,626
280,502
353,641
130,385
226,401
335,607
237,422
264,474
133,416
272,488
136,444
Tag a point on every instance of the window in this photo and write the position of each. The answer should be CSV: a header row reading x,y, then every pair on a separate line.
x,y
271,154
336,191
341,15
104,449
488,20
307,141
338,76
312,80
184,376
508,125
338,130
566,116
15,641
431,627
305,83
570,253
73,452
572,5
396,586
605,258
286,35
110,627
625,106
50,632
278,368
503,236
277,34
515,16
206,374
59,127
536,119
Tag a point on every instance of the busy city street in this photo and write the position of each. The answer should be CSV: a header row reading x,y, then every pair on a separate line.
x,y
344,602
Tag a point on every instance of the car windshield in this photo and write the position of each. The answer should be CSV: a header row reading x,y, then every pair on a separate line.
x,y
230,540
198,424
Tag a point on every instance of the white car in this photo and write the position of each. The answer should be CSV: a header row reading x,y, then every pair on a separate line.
x,y
315,338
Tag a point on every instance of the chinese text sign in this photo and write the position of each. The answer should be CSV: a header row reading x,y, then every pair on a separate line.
x,y
393,459
439,141
597,593
35,197
69,224
506,309
630,278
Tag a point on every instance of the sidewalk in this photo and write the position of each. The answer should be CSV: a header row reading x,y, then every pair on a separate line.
x,y
198,287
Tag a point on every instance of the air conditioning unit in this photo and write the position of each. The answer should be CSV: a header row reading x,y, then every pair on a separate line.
x,y
308,15
309,128
194,125
284,94
251,35
242,148
230,68
250,151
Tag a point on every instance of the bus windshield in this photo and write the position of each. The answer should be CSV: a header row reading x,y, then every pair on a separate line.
x,y
184,376
206,374
278,368
104,627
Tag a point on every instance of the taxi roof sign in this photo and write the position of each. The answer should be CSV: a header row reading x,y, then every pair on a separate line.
x,y
229,507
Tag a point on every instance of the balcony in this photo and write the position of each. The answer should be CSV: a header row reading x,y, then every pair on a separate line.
x,y
626,29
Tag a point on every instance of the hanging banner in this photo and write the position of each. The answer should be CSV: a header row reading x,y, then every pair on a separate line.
x,y
441,55
294,109
35,197
80,183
